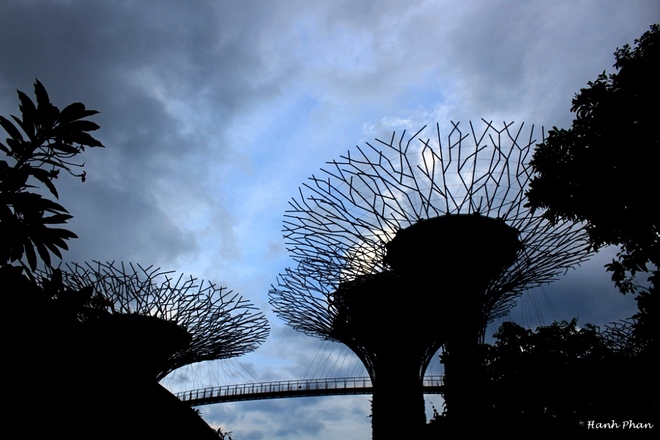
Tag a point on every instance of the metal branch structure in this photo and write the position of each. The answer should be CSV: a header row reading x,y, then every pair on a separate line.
x,y
218,323
416,242
619,336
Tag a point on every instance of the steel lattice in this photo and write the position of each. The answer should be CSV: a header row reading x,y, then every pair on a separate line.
x,y
221,323
337,228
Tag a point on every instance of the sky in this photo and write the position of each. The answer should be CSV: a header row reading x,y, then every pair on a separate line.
x,y
214,112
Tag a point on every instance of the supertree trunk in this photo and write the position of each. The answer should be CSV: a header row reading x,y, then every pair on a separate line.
x,y
395,342
392,344
398,400
472,251
465,387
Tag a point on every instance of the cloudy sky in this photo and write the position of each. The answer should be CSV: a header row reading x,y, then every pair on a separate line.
x,y
214,112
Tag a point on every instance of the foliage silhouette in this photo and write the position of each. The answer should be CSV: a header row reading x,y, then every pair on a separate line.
x,y
547,373
603,170
558,378
43,142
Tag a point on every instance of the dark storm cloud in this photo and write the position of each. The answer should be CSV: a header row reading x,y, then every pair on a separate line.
x,y
91,43
154,70
132,226
529,58
585,293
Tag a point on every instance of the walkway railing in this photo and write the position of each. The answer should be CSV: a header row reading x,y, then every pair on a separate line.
x,y
292,388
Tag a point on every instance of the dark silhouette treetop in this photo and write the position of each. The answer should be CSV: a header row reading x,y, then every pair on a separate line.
x,y
603,170
41,143
553,378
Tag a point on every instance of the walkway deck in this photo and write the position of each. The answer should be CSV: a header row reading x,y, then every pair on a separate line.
x,y
292,388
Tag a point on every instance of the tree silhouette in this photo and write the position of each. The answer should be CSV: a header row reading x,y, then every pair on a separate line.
x,y
551,378
49,142
416,246
603,170
558,378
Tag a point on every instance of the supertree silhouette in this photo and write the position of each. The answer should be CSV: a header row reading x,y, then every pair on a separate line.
x,y
165,321
416,244
106,333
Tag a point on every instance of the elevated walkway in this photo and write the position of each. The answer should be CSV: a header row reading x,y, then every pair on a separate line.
x,y
292,388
